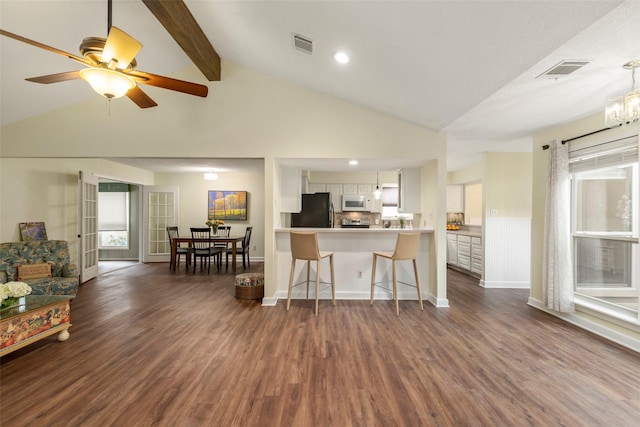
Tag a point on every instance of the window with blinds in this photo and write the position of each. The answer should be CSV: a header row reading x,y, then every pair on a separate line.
x,y
389,201
113,216
605,221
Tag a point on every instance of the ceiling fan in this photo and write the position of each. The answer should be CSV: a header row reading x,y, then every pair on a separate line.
x,y
111,67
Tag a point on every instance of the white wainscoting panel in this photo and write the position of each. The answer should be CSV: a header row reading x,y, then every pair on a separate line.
x,y
507,253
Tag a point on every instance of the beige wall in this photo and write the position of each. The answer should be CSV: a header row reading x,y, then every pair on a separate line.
x,y
247,114
473,204
193,200
539,188
539,174
47,190
507,184
384,177
473,173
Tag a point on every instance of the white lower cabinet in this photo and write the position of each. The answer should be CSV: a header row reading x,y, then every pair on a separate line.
x,y
452,249
476,255
465,252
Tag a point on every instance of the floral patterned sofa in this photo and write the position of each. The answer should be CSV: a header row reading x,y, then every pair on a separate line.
x,y
64,275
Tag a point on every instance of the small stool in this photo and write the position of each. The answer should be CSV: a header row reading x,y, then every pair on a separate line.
x,y
407,245
304,246
250,286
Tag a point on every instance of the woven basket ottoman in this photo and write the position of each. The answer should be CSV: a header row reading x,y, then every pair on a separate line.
x,y
250,286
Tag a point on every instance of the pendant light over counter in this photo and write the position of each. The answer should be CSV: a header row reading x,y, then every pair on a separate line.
x,y
377,193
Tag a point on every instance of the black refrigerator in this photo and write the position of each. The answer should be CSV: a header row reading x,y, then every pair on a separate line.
x,y
317,211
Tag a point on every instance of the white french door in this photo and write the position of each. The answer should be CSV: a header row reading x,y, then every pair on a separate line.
x,y
159,211
88,226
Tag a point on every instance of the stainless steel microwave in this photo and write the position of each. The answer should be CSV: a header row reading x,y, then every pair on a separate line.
x,y
356,203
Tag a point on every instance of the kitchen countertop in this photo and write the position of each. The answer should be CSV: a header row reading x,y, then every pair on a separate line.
x,y
427,230
465,233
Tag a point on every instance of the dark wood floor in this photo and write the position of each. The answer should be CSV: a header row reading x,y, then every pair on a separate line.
x,y
150,347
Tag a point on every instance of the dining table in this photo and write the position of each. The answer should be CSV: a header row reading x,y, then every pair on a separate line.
x,y
213,239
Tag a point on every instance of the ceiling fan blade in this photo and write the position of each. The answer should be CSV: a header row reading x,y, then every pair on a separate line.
x,y
121,47
45,47
168,83
55,78
141,99
176,18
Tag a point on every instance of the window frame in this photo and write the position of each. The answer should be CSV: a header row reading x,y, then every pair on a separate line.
x,y
127,207
591,299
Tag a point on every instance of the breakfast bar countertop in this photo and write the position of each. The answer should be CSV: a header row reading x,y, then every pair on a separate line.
x,y
424,230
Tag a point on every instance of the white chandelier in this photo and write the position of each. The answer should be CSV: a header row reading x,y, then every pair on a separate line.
x,y
625,108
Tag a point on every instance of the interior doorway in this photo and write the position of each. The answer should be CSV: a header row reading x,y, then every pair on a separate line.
x,y
119,213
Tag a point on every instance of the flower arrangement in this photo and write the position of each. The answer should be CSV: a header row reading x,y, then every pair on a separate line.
x,y
214,223
11,291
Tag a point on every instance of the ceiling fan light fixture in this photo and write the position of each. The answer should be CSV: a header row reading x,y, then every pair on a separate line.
x,y
106,82
120,48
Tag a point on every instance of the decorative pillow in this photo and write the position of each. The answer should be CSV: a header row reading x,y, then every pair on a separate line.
x,y
34,271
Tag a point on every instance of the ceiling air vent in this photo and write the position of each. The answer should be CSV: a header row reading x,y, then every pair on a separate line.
x,y
562,69
303,44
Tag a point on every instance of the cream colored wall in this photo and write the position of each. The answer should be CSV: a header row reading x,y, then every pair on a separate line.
x,y
47,190
247,114
472,173
540,169
539,187
193,200
384,177
473,204
507,184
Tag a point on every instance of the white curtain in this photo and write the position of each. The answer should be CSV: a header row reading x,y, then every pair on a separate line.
x,y
557,290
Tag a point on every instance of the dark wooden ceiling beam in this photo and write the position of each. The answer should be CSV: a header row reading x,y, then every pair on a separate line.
x,y
176,18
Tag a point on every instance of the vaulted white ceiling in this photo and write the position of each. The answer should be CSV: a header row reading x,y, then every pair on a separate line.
x,y
467,68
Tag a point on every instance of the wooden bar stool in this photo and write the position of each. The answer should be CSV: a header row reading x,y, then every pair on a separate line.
x,y
304,246
406,249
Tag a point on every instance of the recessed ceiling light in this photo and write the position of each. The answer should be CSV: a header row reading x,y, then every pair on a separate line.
x,y
341,57
353,162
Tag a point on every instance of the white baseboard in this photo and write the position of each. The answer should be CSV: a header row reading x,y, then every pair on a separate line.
x,y
591,326
504,285
270,301
357,296
438,302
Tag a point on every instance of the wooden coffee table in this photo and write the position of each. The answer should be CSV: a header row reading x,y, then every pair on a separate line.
x,y
35,318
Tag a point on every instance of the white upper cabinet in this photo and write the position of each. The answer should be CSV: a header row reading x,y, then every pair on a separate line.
x,y
365,189
336,196
455,198
349,189
409,190
317,188
290,189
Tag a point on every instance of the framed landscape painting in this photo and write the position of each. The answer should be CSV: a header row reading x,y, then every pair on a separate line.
x,y
228,205
30,231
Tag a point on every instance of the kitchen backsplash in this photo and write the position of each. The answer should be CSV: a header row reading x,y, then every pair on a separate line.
x,y
374,218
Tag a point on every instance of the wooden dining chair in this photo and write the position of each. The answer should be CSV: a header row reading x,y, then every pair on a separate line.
x,y
186,251
244,250
225,231
202,248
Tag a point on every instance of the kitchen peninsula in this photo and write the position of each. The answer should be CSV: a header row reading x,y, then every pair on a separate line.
x,y
353,251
